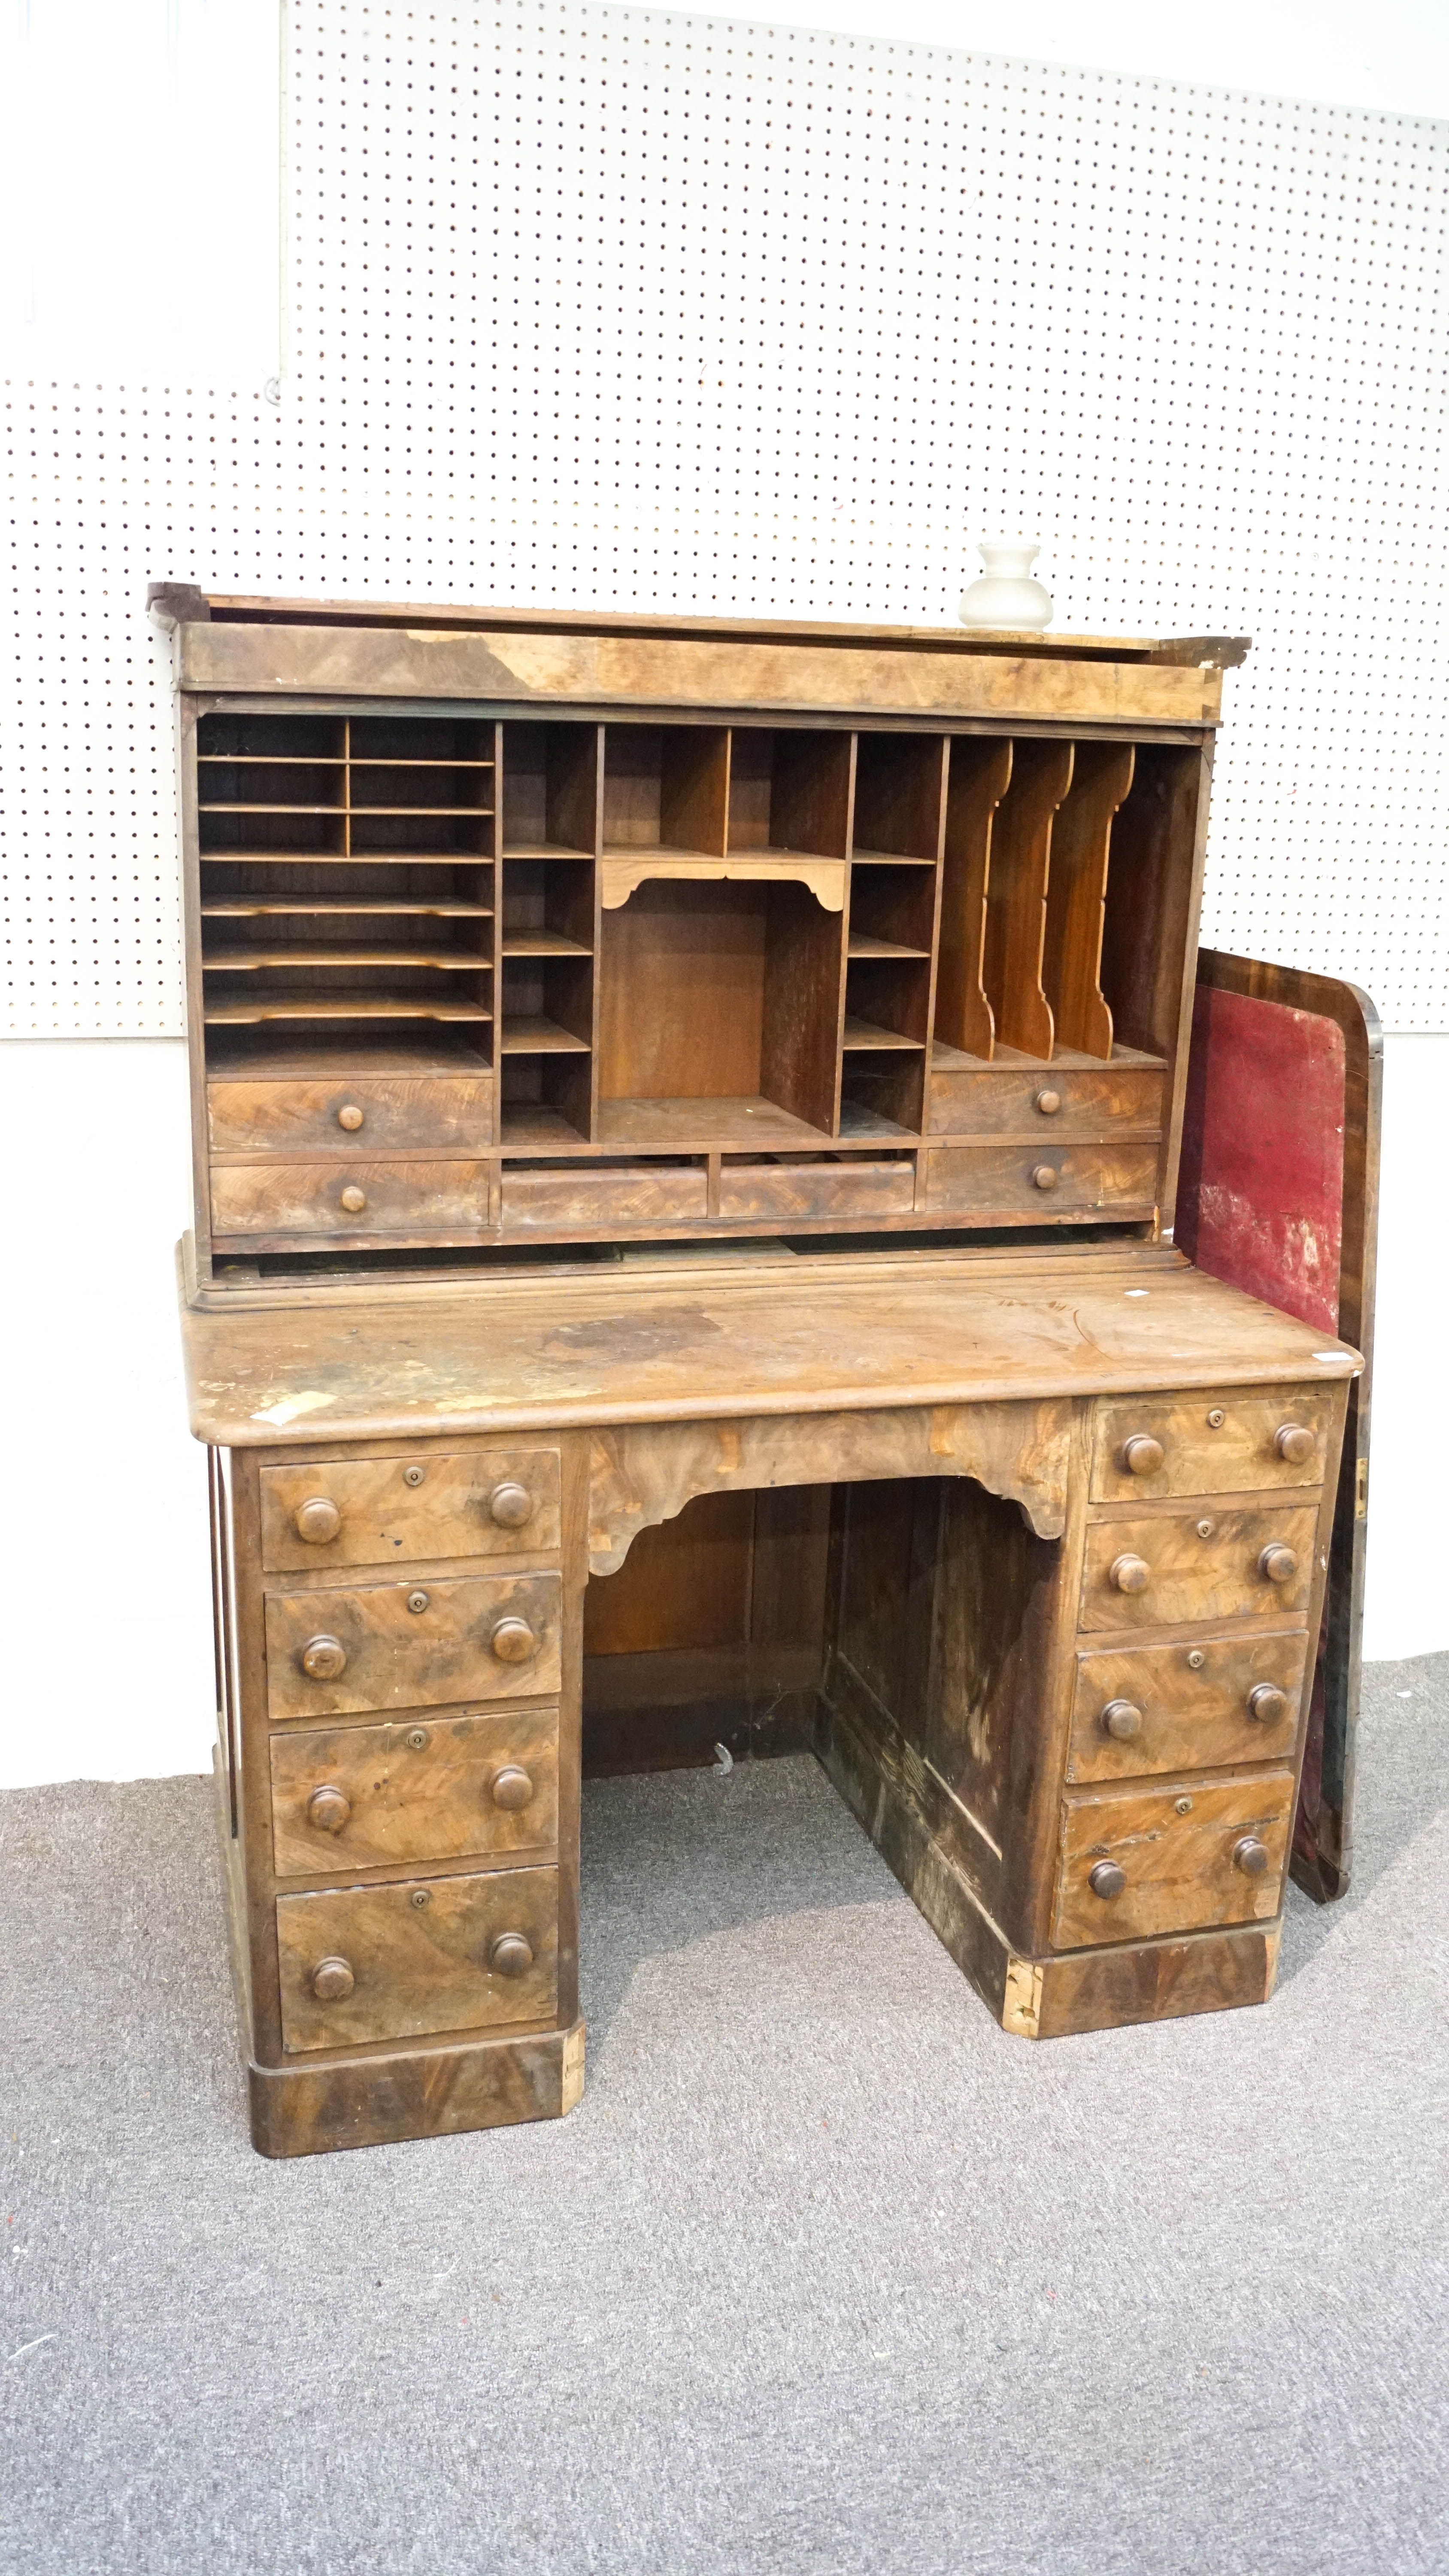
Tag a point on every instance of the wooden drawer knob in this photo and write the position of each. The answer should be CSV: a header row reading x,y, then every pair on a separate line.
x,y
512,1787
1267,1703
328,1810
1048,1102
1142,1455
332,1981
323,1658
510,1955
317,1520
1294,1443
513,1641
350,1117
354,1199
511,1504
1121,1719
1278,1564
1046,1176
1129,1573
1250,1856
1105,1879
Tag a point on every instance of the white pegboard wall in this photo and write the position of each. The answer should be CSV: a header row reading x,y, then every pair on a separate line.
x,y
615,306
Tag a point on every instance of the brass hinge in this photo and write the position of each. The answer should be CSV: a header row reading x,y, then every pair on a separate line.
x,y
1360,1491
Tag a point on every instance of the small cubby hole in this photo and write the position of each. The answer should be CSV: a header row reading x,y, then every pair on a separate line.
x,y
790,791
550,789
666,788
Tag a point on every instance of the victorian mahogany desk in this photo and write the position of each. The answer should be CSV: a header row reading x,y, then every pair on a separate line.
x,y
537,965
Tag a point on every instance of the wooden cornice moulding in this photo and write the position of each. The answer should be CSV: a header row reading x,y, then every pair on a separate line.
x,y
175,603
503,667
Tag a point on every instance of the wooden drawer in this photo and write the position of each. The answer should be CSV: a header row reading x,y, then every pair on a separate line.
x,y
418,1957
584,1196
479,1637
382,1511
1232,1442
445,1116
377,1797
1187,1708
250,1199
1201,1565
976,1180
1179,1853
998,1103
855,1188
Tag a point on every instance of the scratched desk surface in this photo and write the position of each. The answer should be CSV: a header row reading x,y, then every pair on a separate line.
x,y
664,1340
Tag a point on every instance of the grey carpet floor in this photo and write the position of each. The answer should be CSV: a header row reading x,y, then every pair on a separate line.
x,y
825,2273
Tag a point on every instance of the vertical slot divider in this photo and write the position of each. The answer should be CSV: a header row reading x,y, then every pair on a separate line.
x,y
596,935
1077,896
495,897
937,897
979,778
1016,903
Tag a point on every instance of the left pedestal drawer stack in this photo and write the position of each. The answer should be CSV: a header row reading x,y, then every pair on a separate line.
x,y
402,1874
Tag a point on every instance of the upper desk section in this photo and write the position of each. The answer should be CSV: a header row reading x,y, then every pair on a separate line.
x,y
510,926
512,658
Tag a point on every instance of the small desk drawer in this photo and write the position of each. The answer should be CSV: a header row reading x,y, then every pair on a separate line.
x,y
854,1186
585,1194
378,1797
1244,1440
1172,1567
1213,1704
383,1511
347,1198
413,1645
1040,1181
452,1115
1171,1860
1048,1101
367,1963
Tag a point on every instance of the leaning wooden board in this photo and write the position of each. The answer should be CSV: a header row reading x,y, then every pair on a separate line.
x,y
1279,1195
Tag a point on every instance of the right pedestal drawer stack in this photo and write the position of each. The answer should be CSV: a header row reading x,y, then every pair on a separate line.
x,y
1199,1580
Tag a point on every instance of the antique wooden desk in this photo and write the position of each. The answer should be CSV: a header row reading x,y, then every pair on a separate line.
x,y
537,966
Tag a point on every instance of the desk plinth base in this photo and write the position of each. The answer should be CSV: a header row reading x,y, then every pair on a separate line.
x,y
418,2092
1055,1995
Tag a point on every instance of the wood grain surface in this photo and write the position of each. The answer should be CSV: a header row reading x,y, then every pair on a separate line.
x,y
419,1955
1221,1442
674,1344
416,1791
400,1657
393,1510
1202,1564
1193,1702
1178,1866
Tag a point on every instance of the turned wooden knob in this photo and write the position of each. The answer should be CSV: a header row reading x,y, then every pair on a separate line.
x,y
1106,1879
1142,1455
511,1504
1121,1719
513,1641
1048,1102
328,1810
350,1117
332,1981
354,1199
1294,1443
317,1520
512,1787
1129,1573
1277,1564
323,1658
510,1955
1267,1703
1046,1176
1250,1856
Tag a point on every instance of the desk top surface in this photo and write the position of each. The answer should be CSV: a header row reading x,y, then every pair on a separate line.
x,y
667,1339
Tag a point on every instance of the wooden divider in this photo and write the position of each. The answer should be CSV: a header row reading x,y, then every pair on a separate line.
x,y
1017,896
980,776
1077,896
